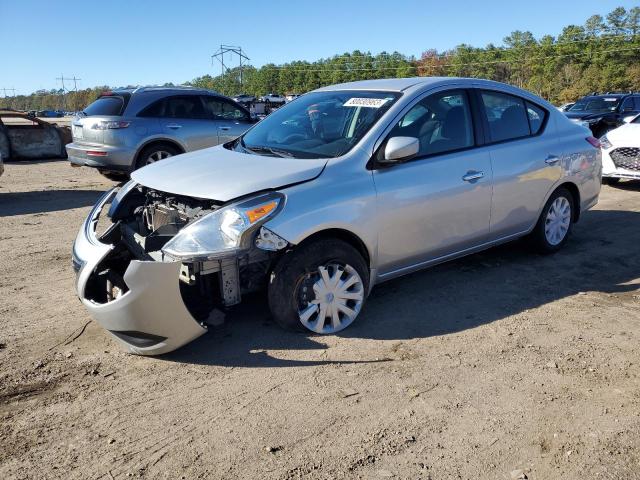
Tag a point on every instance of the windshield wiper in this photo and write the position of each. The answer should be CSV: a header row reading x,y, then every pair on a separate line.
x,y
257,149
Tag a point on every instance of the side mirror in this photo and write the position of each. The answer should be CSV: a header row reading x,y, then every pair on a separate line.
x,y
400,148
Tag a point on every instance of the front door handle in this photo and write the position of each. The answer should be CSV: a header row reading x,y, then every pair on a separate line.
x,y
551,160
472,176
224,128
174,126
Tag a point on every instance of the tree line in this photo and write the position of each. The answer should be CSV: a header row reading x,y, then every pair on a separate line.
x,y
601,55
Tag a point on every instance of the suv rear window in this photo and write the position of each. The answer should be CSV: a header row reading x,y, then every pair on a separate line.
x,y
111,105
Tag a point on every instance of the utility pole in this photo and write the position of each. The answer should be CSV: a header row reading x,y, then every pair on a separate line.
x,y
231,49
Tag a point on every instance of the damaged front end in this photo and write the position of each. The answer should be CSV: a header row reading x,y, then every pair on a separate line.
x,y
164,266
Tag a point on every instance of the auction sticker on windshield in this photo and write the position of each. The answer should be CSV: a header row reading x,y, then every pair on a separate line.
x,y
366,102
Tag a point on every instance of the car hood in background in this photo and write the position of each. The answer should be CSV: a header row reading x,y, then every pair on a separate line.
x,y
220,174
584,115
625,136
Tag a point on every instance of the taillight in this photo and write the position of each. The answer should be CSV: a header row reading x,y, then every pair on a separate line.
x,y
594,142
109,125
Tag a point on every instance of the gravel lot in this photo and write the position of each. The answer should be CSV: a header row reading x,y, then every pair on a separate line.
x,y
502,365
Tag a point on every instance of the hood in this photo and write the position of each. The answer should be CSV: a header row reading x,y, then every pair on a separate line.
x,y
584,115
627,135
220,174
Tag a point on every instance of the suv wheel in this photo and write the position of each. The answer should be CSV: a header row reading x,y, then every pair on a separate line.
x,y
319,287
555,222
155,153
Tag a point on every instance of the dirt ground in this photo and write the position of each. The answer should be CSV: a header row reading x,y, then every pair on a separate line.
x,y
502,365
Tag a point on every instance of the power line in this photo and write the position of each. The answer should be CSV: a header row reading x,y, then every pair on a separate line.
x,y
478,51
395,67
13,90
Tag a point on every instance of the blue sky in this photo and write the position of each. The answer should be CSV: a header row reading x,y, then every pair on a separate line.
x,y
149,42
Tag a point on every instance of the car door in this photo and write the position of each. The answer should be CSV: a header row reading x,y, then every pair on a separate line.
x,y
438,203
525,159
184,118
229,118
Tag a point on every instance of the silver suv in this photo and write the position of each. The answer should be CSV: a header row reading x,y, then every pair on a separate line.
x,y
124,130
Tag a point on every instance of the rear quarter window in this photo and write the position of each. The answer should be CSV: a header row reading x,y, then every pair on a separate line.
x,y
112,105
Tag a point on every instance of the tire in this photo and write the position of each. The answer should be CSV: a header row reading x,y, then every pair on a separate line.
x,y
154,153
543,238
298,277
114,176
610,180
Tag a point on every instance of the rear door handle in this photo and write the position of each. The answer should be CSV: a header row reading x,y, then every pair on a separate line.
x,y
174,126
224,128
473,175
551,160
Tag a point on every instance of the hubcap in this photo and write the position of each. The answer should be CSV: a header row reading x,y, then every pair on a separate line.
x,y
158,155
557,221
330,298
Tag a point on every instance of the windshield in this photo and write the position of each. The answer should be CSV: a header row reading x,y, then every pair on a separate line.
x,y
318,125
596,104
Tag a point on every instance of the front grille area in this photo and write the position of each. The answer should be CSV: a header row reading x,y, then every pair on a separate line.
x,y
627,158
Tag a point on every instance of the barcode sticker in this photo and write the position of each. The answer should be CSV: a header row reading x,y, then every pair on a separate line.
x,y
366,102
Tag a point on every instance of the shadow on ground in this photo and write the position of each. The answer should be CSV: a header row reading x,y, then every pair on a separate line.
x,y
23,203
601,256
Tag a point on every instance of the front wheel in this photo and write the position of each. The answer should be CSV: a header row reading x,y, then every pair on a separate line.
x,y
555,222
320,287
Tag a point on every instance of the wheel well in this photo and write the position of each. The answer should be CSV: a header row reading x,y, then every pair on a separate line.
x,y
575,193
344,235
176,145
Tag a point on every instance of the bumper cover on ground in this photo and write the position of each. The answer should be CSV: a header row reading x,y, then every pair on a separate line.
x,y
151,317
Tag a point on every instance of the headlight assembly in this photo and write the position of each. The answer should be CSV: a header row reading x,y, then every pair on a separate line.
x,y
604,142
224,232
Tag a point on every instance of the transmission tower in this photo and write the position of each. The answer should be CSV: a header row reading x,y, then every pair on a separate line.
x,y
231,50
75,80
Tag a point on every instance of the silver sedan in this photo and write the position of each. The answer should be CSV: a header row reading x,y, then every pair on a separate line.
x,y
346,187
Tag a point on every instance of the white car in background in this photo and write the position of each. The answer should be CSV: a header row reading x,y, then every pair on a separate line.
x,y
621,153
273,99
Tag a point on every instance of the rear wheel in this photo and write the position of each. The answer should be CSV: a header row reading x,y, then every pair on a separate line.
x,y
555,222
155,153
321,287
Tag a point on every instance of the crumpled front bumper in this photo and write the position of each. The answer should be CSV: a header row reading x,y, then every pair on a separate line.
x,y
151,317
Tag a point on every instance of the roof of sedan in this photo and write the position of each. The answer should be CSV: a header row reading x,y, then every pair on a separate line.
x,y
389,84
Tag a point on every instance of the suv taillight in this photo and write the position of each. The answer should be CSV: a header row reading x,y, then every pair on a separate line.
x,y
594,142
109,125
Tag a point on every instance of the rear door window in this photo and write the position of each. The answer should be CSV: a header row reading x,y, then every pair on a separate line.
x,y
185,106
219,108
507,116
110,105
